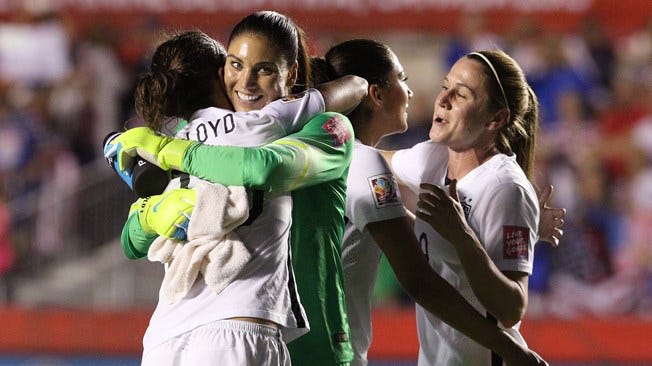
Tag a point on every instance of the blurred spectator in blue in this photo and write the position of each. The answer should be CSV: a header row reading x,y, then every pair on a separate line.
x,y
471,35
558,78
559,157
601,50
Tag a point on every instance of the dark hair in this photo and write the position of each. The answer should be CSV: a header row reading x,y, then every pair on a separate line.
x,y
285,36
518,136
365,58
182,78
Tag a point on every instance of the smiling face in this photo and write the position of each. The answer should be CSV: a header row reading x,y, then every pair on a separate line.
x,y
461,118
255,74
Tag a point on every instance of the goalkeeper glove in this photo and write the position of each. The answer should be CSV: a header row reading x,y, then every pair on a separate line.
x,y
166,214
166,152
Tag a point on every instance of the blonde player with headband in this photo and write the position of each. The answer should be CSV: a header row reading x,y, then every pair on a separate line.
x,y
478,214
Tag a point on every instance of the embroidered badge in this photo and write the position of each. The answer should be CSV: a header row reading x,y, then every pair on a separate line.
x,y
384,190
516,240
337,129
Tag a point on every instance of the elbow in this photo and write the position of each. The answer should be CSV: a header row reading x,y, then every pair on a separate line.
x,y
362,86
512,316
266,174
509,322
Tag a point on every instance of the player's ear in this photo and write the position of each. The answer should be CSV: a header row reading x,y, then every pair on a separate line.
x,y
499,120
375,94
292,75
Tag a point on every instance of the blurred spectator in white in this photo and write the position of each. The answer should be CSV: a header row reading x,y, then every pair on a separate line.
x,y
86,105
34,51
635,49
100,69
57,203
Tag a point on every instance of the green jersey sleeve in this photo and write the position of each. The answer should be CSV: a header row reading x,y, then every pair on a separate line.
x,y
318,153
135,241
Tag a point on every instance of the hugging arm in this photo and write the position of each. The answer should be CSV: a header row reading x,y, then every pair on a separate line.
x,y
503,294
437,296
318,153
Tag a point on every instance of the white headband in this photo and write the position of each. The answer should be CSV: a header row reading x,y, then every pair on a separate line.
x,y
486,60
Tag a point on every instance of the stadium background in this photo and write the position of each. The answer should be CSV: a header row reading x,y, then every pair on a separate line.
x,y
69,297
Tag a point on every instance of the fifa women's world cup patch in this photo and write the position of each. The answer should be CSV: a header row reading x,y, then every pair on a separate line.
x,y
384,190
337,128
516,240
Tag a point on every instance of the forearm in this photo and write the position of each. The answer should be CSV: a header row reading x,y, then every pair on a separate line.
x,y
429,289
344,94
442,300
286,164
503,297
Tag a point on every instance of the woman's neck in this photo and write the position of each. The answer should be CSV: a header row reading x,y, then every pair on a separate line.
x,y
463,162
365,132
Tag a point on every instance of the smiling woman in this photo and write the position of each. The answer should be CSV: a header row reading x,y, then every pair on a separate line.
x,y
266,58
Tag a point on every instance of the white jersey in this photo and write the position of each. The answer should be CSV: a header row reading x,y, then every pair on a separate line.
x,y
501,207
371,195
265,287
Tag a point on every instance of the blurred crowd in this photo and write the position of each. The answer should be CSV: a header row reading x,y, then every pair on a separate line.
x,y
62,89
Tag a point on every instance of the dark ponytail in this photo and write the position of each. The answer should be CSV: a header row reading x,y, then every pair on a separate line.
x,y
183,77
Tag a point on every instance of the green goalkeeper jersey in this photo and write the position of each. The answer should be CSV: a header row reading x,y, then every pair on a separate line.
x,y
312,163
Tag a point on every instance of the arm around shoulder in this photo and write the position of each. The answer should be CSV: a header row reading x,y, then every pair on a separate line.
x,y
343,94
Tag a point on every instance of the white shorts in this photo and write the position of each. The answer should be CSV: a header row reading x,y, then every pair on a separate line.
x,y
224,342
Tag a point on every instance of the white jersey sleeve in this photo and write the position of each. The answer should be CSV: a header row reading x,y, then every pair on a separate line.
x,y
511,215
217,126
411,165
372,193
294,111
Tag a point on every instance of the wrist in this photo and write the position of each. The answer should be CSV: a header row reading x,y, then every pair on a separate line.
x,y
135,241
172,154
506,346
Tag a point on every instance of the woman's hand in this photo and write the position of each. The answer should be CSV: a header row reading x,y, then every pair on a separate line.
x,y
551,219
163,151
443,211
521,356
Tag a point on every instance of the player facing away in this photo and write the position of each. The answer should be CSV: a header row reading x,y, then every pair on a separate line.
x,y
261,303
267,59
